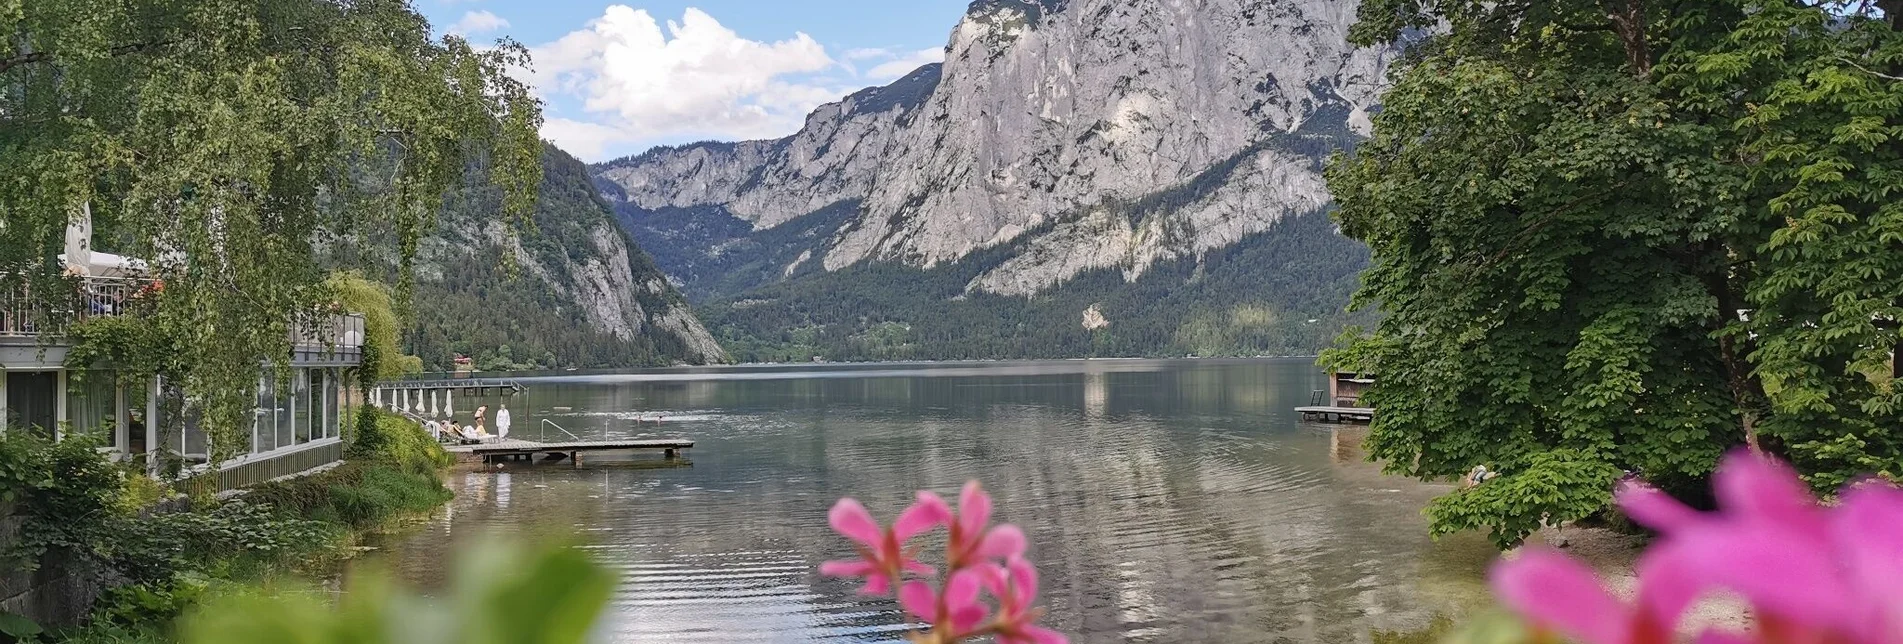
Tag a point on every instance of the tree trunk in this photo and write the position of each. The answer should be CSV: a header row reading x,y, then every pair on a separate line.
x,y
1893,10
1747,391
1628,21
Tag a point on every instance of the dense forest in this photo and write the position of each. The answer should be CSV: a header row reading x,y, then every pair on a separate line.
x,y
1279,292
527,310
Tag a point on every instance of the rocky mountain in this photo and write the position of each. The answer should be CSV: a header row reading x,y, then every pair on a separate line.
x,y
574,291
1060,139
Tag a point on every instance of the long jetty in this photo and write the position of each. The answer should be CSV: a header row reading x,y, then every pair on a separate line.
x,y
512,448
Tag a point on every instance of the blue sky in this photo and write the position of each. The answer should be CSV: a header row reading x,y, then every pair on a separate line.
x,y
619,78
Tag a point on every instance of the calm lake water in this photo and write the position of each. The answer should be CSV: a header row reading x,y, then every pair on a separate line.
x,y
1166,501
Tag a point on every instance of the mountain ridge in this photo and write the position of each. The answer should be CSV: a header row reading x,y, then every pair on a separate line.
x,y
1062,137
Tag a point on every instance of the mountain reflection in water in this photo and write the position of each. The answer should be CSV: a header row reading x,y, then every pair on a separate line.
x,y
1179,501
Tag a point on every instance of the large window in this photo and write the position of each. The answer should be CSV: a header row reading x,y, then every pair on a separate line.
x,y
32,400
93,405
284,399
267,414
301,416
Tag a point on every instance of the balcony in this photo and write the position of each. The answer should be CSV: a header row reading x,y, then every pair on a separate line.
x,y
24,315
335,339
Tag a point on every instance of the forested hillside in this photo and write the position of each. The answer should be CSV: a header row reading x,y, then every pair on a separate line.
x,y
573,291
1279,292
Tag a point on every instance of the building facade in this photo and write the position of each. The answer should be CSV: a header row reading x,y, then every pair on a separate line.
x,y
297,423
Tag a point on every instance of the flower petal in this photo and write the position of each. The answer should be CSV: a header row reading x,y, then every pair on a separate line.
x,y
1655,509
1666,588
926,513
1868,534
967,618
919,600
1555,591
851,519
995,579
1758,488
917,568
1781,571
1023,578
1002,542
1723,637
876,584
962,589
974,508
847,568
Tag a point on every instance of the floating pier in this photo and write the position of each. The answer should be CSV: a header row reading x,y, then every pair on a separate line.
x,y
511,448
1337,414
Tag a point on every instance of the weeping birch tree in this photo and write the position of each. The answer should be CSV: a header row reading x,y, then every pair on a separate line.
x,y
226,141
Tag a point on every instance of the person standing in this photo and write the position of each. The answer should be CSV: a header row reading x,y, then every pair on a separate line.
x,y
480,413
502,421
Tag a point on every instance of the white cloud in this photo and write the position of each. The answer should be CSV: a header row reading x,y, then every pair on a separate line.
x,y
696,79
865,53
477,22
892,70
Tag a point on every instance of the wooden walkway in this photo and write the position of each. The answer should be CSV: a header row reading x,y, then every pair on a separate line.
x,y
1337,414
504,449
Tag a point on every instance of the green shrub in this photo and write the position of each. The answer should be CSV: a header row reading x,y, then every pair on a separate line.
x,y
387,437
68,492
497,595
360,495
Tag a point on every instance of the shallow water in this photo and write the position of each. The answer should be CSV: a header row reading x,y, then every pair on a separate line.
x,y
1178,501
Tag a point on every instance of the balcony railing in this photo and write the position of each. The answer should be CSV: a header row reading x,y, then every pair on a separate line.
x,y
340,331
26,314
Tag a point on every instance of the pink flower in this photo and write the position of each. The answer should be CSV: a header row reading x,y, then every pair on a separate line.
x,y
1564,595
883,558
970,542
1810,574
1015,585
953,615
1768,542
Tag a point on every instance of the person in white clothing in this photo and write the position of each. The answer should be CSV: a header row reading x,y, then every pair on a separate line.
x,y
502,422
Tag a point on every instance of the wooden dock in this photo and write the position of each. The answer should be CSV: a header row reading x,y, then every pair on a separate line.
x,y
1337,414
512,448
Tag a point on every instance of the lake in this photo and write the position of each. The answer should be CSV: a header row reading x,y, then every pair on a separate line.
x,y
1166,501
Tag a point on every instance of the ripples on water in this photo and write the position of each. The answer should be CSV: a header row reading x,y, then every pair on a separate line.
x,y
1166,501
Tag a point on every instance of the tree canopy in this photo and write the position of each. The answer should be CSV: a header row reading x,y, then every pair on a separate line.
x,y
1625,236
225,140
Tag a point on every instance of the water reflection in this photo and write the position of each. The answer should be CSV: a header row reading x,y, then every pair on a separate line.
x,y
1167,501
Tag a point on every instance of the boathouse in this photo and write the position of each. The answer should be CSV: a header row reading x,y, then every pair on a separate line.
x,y
1341,401
1345,389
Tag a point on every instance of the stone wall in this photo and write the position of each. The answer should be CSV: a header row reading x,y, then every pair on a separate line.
x,y
60,592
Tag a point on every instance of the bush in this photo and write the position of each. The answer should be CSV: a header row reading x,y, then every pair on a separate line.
x,y
386,437
360,495
69,494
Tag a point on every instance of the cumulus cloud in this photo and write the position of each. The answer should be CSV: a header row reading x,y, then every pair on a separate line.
x,y
477,22
696,78
892,70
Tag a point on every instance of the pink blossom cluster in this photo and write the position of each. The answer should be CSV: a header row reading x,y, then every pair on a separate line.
x,y
979,559
1810,574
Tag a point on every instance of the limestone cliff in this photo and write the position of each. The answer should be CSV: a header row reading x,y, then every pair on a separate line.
x,y
1077,134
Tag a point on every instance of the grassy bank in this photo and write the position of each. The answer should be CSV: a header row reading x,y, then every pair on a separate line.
x,y
160,563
